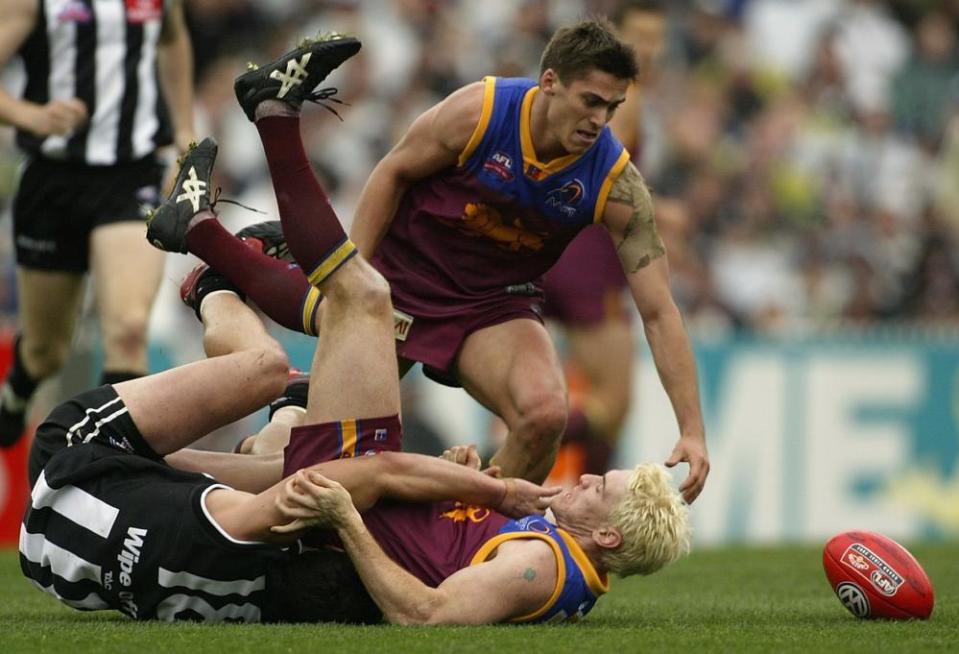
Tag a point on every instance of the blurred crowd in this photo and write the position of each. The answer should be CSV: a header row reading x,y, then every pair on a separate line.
x,y
804,153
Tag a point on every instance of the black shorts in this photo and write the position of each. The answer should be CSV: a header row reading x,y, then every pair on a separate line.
x,y
59,204
99,416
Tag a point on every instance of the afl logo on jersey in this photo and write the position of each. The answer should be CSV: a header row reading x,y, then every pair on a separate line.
x,y
566,197
501,165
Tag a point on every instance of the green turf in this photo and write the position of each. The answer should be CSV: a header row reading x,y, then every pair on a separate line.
x,y
729,600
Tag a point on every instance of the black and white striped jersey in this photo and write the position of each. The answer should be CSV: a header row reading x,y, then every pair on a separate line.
x,y
103,52
111,530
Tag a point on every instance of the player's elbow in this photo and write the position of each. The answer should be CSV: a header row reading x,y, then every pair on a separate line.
x,y
390,173
662,314
427,611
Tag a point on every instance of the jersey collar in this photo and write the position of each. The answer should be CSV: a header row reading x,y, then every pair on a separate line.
x,y
532,166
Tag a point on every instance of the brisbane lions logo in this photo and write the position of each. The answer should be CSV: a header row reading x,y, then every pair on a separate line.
x,y
566,197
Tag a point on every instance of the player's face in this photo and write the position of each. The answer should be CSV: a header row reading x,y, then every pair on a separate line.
x,y
579,111
589,503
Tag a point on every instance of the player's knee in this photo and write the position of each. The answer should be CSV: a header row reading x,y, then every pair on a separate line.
x,y
375,295
364,289
273,368
125,334
545,420
44,359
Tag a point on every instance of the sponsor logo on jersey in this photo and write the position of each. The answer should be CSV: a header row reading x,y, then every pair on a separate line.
x,y
872,568
380,435
566,198
128,557
75,12
142,11
402,322
501,165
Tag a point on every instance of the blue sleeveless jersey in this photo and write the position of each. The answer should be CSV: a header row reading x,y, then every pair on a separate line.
x,y
578,584
500,216
570,191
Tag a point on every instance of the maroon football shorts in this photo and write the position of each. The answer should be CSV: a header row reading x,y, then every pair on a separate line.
x,y
329,441
587,285
436,341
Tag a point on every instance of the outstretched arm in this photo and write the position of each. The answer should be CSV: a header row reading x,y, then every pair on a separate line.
x,y
517,582
402,476
630,220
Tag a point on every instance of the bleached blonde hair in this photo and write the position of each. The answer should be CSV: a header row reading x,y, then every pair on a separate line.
x,y
654,523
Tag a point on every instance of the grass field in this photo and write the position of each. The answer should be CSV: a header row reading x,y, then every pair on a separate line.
x,y
728,600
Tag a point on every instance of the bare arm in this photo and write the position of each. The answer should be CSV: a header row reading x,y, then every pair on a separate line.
x,y
630,220
17,20
433,142
517,582
409,477
253,473
418,478
175,63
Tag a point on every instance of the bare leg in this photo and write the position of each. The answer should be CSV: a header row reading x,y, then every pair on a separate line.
x,y
247,370
523,384
49,305
275,435
354,372
126,272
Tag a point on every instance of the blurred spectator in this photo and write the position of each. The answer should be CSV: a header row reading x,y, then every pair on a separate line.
x,y
925,88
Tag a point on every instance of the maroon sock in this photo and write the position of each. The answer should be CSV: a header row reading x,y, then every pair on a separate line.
x,y
280,289
596,450
577,427
313,232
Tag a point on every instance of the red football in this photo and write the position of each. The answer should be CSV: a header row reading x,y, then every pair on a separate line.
x,y
876,577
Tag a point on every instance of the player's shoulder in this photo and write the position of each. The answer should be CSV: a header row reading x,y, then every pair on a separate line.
x,y
454,119
465,102
536,552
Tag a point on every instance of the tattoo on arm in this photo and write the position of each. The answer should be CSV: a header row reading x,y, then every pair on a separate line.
x,y
529,574
640,242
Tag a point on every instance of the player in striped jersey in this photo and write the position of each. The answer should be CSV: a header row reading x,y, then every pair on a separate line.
x,y
108,83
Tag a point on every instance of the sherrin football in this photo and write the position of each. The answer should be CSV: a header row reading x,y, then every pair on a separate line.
x,y
876,577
